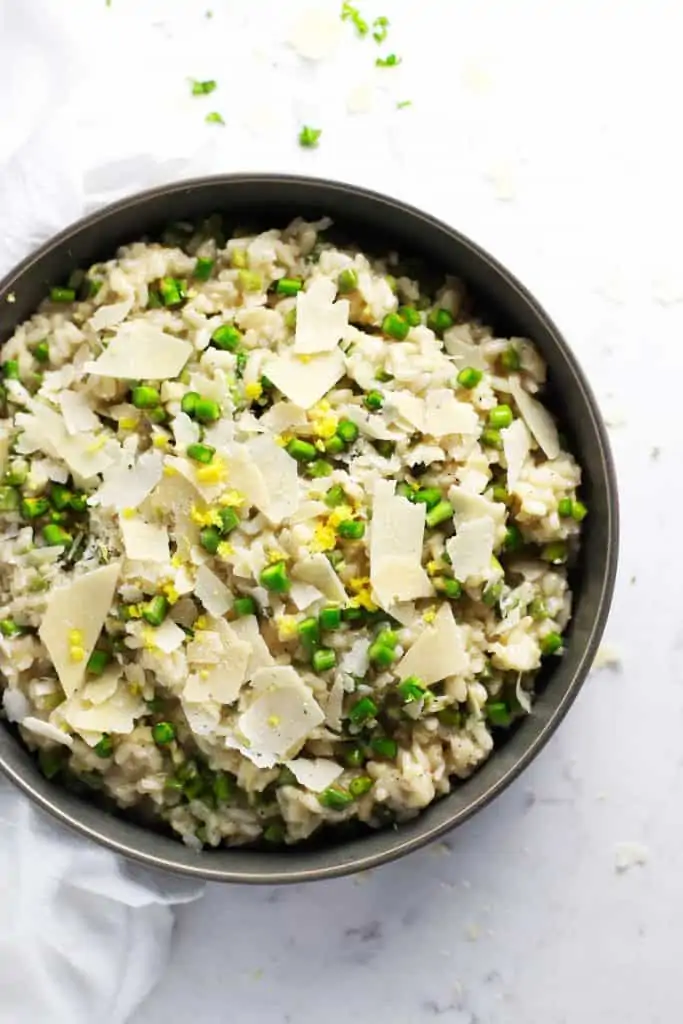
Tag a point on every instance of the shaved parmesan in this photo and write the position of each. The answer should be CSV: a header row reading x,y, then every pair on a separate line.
x,y
109,316
45,430
305,381
444,414
316,570
315,773
355,660
280,476
185,431
140,351
438,652
247,629
77,413
520,653
127,487
320,321
304,595
246,477
537,418
222,683
335,704
212,592
372,426
144,542
468,506
202,718
168,637
15,704
47,731
283,416
82,605
516,445
281,717
408,407
471,549
458,343
206,647
115,715
99,690
396,538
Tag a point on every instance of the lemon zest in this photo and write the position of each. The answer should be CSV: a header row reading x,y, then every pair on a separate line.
x,y
253,391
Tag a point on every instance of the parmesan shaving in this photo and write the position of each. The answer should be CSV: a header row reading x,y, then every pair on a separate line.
x,y
127,487
280,477
537,418
396,539
212,592
305,381
315,34
468,506
47,731
304,595
320,321
471,549
139,351
107,317
457,342
247,629
168,637
516,446
315,773
282,716
438,652
77,413
80,607
115,715
316,570
144,542
444,415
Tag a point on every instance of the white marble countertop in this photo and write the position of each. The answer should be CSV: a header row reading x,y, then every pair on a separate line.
x,y
545,132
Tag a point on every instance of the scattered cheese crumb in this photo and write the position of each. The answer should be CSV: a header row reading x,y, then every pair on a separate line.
x,y
629,854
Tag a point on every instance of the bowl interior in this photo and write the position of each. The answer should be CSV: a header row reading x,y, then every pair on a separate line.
x,y
378,225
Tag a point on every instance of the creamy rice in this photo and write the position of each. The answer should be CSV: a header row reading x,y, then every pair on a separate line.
x,y
284,534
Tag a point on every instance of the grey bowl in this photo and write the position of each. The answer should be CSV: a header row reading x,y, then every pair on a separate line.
x,y
379,223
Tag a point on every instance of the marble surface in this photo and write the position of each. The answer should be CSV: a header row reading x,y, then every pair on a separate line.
x,y
544,131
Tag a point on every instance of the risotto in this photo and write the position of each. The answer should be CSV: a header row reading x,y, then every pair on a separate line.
x,y
284,534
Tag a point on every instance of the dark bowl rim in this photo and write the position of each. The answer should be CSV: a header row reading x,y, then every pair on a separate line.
x,y
394,846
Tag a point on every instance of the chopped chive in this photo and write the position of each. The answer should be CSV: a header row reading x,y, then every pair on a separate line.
x,y
158,415
347,431
229,520
201,453
551,643
373,400
145,397
300,450
395,326
363,711
429,496
275,832
240,363
78,502
62,295
391,61
308,137
384,746
500,493
450,716
223,787
155,610
171,291
289,286
537,609
330,617
353,755
347,281
513,540
492,593
319,468
335,496
439,513
309,631
351,529
451,589
361,785
227,337
439,320
104,747
381,655
323,659
335,798
97,662
163,733
244,606
214,118
352,614
210,539
500,417
9,501
31,508
469,377
56,536
274,577
290,318
203,88
352,14
9,628
402,104
203,268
